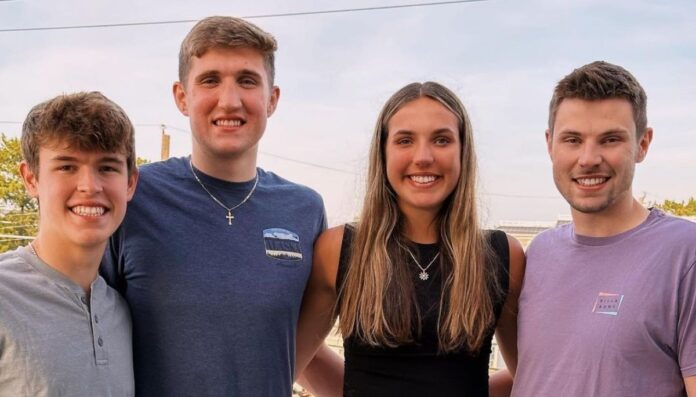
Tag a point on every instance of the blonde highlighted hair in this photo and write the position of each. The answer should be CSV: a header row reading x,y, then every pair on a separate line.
x,y
377,300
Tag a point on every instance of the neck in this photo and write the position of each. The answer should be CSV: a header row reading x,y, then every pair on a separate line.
x,y
233,168
421,226
79,264
619,218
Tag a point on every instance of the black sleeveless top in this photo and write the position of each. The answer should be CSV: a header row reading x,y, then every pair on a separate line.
x,y
417,369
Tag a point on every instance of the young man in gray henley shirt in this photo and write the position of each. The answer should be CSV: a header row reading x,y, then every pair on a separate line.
x,y
63,331
608,304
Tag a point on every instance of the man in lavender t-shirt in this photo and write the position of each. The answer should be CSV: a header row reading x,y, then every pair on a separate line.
x,y
608,306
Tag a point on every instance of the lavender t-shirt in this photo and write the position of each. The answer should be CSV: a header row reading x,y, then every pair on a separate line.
x,y
611,316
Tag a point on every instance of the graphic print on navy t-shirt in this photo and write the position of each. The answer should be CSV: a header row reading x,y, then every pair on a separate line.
x,y
282,244
607,303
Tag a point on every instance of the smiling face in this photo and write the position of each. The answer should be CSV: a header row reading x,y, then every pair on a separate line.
x,y
423,155
228,99
82,195
594,150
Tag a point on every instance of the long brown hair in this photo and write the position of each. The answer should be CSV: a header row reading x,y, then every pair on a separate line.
x,y
377,298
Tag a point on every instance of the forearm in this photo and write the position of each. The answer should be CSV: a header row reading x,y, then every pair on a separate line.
x,y
323,376
500,384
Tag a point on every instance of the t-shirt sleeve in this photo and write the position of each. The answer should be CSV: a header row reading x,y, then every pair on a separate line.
x,y
111,268
687,323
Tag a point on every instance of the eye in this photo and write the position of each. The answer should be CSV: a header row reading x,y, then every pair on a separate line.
x,y
571,140
612,139
404,140
208,81
248,82
66,168
108,168
442,140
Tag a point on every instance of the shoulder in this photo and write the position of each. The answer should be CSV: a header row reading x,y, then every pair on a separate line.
x,y
153,177
512,253
270,180
19,282
327,253
551,236
329,242
174,165
672,228
504,245
12,265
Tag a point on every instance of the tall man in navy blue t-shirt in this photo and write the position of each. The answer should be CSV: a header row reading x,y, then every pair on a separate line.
x,y
214,253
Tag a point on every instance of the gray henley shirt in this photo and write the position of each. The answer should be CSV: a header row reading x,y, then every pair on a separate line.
x,y
54,341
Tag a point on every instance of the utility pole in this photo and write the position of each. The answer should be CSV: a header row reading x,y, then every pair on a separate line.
x,y
164,154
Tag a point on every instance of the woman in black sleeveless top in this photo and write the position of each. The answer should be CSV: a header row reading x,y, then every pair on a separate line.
x,y
418,287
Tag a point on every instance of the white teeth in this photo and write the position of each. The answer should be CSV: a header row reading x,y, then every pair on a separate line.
x,y
88,211
591,181
423,178
228,123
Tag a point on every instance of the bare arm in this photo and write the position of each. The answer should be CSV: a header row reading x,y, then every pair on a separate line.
x,y
500,384
323,376
506,332
320,369
690,385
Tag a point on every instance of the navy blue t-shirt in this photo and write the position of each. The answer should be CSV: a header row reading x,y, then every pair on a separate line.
x,y
214,306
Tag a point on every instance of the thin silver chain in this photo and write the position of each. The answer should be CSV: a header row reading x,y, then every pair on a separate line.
x,y
229,209
423,275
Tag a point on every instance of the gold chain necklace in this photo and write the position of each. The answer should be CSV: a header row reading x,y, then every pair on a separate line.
x,y
33,250
229,215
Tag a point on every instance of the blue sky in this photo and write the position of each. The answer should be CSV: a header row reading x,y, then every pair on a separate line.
x,y
336,70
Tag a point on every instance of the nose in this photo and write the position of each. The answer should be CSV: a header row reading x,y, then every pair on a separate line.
x,y
230,97
89,182
423,155
590,155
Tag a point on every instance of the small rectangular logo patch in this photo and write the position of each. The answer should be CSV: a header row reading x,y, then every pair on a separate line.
x,y
282,244
607,303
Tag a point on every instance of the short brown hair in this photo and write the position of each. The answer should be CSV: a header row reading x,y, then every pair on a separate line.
x,y
602,80
226,32
85,121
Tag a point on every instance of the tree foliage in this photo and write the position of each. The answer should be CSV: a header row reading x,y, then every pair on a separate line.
x,y
18,212
12,193
679,208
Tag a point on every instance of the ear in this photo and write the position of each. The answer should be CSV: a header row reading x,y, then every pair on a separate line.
x,y
179,92
549,141
132,183
31,180
273,100
644,144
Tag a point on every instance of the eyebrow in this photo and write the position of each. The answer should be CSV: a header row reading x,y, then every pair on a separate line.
x,y
207,73
604,133
435,132
249,72
104,159
215,73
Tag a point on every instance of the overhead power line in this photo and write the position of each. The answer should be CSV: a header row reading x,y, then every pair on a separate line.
x,y
307,163
278,15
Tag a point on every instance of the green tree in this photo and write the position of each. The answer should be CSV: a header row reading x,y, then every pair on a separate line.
x,y
679,208
18,211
